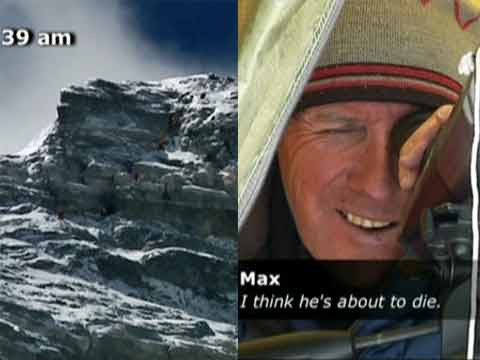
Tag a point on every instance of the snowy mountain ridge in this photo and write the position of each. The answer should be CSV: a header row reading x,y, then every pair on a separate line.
x,y
118,227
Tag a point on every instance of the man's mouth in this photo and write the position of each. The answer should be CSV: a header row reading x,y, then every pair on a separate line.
x,y
364,223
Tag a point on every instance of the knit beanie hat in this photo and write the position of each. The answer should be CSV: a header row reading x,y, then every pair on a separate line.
x,y
396,50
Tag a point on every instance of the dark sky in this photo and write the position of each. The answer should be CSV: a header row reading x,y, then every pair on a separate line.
x,y
200,29
116,40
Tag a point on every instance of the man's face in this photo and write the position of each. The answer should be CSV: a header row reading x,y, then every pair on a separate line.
x,y
339,168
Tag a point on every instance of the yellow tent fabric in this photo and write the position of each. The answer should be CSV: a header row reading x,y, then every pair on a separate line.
x,y
280,41
246,14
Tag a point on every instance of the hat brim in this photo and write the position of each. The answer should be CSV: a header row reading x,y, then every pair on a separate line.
x,y
378,82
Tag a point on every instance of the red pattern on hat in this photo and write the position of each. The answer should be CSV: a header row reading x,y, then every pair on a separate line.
x,y
386,69
464,24
370,83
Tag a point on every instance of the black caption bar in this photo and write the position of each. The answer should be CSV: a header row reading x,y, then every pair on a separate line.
x,y
308,289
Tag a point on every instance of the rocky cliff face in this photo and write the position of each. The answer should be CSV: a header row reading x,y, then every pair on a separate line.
x,y
117,232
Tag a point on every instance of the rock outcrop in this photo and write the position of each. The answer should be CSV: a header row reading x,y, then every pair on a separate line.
x,y
117,231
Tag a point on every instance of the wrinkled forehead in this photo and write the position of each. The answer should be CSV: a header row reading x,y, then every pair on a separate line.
x,y
398,119
365,108
364,111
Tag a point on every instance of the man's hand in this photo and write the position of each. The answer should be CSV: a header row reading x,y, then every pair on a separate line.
x,y
412,152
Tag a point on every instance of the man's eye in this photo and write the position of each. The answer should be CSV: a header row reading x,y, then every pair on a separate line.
x,y
406,126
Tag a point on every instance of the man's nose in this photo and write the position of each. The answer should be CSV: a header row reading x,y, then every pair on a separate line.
x,y
374,173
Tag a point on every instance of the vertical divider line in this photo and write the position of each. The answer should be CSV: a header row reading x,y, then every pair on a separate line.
x,y
475,229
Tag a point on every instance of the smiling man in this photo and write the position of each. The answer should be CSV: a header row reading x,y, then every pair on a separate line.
x,y
348,160
351,154
350,205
